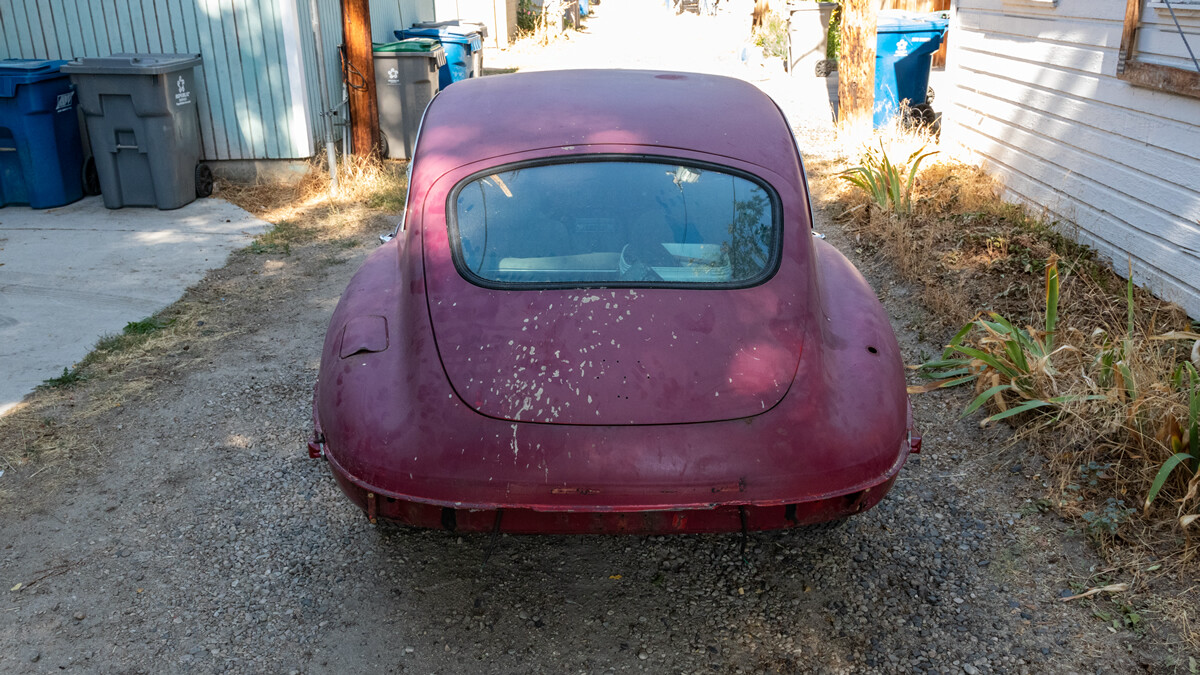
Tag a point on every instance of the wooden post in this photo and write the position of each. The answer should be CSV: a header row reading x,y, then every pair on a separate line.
x,y
364,112
856,66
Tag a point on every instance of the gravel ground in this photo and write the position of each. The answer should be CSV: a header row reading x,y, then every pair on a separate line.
x,y
198,536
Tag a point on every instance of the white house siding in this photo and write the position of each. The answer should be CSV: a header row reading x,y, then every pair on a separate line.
x,y
1036,99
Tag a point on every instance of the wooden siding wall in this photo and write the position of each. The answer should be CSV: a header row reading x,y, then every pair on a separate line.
x,y
248,105
1036,98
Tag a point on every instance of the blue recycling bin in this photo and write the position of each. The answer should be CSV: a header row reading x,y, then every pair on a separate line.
x,y
41,155
904,49
463,45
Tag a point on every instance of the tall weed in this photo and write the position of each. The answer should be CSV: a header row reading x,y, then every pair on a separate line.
x,y
1122,401
1008,364
888,185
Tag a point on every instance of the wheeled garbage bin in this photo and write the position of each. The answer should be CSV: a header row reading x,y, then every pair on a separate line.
x,y
41,155
466,29
808,32
904,51
141,118
463,46
406,80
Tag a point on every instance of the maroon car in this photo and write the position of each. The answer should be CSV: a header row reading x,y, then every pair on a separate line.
x,y
606,311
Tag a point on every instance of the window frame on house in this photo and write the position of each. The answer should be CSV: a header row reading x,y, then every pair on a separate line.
x,y
1182,81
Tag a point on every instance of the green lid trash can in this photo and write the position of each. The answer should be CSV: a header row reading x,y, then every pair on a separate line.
x,y
140,111
406,80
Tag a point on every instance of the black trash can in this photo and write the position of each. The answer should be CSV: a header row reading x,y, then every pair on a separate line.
x,y
406,80
143,127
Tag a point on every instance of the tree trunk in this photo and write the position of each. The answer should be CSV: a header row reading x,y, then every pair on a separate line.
x,y
364,112
856,66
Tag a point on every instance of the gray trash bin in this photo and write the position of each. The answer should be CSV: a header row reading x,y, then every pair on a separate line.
x,y
143,126
808,26
406,80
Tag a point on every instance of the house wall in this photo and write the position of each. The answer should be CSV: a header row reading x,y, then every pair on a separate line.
x,y
329,15
259,97
388,16
500,17
1035,97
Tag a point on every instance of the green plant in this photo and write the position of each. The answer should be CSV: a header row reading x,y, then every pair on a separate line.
x,y
772,36
1122,616
833,36
68,378
146,326
885,183
391,200
526,16
1007,360
1109,517
279,239
1179,444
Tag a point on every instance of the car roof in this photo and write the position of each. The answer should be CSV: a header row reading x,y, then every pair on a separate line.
x,y
486,117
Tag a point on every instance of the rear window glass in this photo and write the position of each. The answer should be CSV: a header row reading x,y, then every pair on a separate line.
x,y
615,223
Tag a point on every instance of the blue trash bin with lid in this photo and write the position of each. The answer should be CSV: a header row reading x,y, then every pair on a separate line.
x,y
463,45
41,154
905,44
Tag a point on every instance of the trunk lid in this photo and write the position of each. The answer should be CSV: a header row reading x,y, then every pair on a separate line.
x,y
616,356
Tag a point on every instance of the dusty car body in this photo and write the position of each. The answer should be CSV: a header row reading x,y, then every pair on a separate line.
x,y
606,312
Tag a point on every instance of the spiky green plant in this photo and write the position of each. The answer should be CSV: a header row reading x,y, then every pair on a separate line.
x,y
887,184
1007,361
1186,448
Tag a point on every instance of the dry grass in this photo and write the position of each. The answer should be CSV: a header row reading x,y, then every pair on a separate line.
x,y
362,182
60,428
549,25
971,253
974,253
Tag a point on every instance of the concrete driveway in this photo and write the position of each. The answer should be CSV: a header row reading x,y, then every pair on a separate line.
x,y
73,274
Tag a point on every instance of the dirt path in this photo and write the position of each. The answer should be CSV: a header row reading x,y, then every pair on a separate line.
x,y
194,535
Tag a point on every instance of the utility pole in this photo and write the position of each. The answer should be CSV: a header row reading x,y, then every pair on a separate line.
x,y
364,112
856,66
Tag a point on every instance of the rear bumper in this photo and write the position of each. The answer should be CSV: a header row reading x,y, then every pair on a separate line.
x,y
722,518
581,512
583,518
